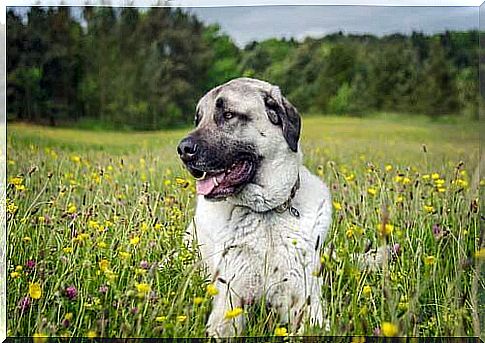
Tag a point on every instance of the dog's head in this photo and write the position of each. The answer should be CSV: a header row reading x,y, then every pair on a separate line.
x,y
245,131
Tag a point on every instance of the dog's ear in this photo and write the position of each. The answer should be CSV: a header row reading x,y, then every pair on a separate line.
x,y
281,112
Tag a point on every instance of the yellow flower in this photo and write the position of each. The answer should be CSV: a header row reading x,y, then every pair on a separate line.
x,y
167,182
157,226
429,260
135,240
35,291
462,183
27,239
67,250
93,224
397,178
406,181
102,245
385,230
143,288
337,205
441,189
350,177
181,319
16,181
71,209
425,177
280,331
103,265
480,253
428,208
198,300
388,168
399,198
14,275
39,337
20,188
91,334
367,290
75,158
349,233
124,255
19,268
389,329
11,207
236,311
372,191
160,319
439,182
68,316
435,176
212,289
144,226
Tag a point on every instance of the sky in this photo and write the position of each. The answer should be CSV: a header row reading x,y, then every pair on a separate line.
x,y
245,24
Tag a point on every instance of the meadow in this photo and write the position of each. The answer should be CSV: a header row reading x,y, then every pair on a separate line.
x,y
95,223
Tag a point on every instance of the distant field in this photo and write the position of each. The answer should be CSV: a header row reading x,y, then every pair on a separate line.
x,y
95,223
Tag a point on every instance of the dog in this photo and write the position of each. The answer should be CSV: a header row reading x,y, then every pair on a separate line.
x,y
261,216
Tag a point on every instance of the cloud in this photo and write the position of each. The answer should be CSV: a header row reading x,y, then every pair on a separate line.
x,y
245,24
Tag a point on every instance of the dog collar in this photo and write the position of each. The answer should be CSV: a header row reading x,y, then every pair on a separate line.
x,y
287,206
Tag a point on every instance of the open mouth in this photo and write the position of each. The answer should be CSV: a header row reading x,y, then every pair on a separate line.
x,y
223,183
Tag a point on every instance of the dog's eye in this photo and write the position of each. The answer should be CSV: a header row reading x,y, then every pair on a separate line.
x,y
228,115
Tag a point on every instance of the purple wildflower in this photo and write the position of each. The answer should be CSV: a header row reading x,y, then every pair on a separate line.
x,y
436,230
30,264
144,265
134,310
24,304
377,331
103,289
71,292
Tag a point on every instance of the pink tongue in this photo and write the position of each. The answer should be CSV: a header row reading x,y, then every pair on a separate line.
x,y
205,186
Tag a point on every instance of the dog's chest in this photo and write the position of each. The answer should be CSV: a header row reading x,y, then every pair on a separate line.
x,y
258,248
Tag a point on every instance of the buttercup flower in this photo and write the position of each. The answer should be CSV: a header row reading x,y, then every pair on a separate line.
x,y
212,289
389,329
35,291
236,311
281,331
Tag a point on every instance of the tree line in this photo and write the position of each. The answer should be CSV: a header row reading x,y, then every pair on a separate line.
x,y
123,68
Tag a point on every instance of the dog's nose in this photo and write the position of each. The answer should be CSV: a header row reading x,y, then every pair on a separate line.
x,y
187,149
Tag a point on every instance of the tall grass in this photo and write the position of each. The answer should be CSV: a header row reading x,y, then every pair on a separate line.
x,y
95,225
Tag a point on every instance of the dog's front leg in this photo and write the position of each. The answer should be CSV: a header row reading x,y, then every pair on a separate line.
x,y
224,320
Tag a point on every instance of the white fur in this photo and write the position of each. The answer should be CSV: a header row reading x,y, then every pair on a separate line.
x,y
253,252
243,248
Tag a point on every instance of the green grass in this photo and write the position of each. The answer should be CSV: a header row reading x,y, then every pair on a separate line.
x,y
103,213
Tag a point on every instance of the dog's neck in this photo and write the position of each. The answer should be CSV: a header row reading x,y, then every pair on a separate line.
x,y
287,206
265,198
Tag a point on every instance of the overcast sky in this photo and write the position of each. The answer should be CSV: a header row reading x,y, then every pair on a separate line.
x,y
245,24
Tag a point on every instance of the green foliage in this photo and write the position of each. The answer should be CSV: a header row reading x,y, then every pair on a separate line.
x,y
144,70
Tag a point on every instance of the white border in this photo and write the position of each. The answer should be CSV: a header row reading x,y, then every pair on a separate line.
x,y
229,3
148,3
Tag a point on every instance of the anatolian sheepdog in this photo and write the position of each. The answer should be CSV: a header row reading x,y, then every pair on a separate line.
x,y
261,216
